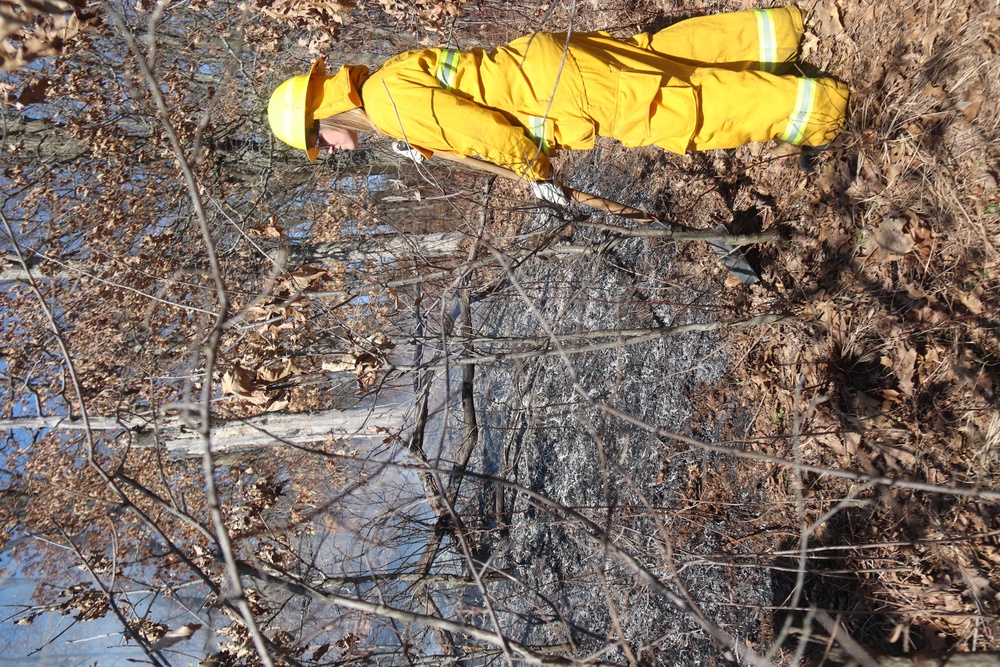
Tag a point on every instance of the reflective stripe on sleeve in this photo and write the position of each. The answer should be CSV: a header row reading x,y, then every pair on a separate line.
x,y
536,128
805,98
767,36
447,69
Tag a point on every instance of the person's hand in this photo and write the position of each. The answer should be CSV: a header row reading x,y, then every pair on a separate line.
x,y
550,191
404,149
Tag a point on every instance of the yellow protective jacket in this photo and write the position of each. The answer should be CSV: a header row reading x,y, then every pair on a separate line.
x,y
708,82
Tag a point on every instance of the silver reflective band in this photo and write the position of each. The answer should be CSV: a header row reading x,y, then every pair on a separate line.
x,y
447,72
536,129
447,68
768,38
795,132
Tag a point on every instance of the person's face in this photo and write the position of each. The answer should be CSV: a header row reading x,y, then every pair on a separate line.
x,y
343,140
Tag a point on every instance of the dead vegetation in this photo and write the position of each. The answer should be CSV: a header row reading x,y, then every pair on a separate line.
x,y
885,367
891,271
889,362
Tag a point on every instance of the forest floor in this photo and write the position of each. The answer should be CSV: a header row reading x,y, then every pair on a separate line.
x,y
836,468
888,270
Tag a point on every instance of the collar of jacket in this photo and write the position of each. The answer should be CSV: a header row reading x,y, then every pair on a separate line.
x,y
331,95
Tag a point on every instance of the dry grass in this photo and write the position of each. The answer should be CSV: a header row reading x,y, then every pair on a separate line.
x,y
892,271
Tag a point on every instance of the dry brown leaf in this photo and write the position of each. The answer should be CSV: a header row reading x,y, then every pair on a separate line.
x,y
967,368
932,91
932,312
971,301
903,364
830,178
238,381
867,182
810,45
931,34
971,102
34,92
54,24
971,110
892,240
988,181
305,277
273,373
828,15
891,397
928,365
276,406
923,237
346,363
174,636
7,96
899,459
279,370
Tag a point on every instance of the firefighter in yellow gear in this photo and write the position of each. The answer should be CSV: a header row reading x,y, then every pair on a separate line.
x,y
708,82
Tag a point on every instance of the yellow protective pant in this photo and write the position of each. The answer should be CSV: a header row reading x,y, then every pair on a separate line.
x,y
740,64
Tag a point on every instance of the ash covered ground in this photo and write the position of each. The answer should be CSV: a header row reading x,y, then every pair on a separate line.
x,y
540,432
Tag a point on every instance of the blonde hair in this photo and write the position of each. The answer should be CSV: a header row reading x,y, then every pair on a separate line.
x,y
352,119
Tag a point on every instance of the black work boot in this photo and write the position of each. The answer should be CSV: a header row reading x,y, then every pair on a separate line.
x,y
809,158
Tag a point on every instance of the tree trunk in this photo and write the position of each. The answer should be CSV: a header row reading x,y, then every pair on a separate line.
x,y
41,138
180,438
269,429
382,247
376,248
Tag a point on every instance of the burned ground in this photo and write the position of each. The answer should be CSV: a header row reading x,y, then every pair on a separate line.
x,y
885,364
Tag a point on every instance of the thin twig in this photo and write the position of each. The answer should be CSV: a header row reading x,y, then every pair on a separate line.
x,y
112,603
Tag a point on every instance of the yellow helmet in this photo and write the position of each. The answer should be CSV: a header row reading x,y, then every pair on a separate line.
x,y
289,112
296,103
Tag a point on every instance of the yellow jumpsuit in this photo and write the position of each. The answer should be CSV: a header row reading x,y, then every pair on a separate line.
x,y
710,82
